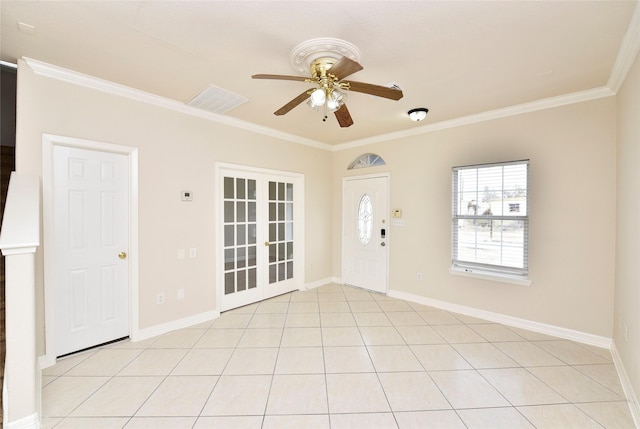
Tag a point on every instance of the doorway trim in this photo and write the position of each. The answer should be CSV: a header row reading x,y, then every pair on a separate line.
x,y
49,141
299,228
342,216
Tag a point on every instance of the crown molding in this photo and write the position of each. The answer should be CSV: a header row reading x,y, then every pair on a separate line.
x,y
87,81
546,103
629,49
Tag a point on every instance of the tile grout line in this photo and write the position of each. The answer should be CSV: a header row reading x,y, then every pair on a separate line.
x,y
275,363
217,381
562,353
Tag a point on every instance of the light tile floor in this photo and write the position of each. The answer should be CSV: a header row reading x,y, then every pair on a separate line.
x,y
338,357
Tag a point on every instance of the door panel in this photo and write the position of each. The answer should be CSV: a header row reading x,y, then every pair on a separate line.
x,y
280,231
258,236
365,233
91,228
240,240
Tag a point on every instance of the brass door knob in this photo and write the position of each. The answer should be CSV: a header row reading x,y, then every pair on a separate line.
x,y
122,255
266,243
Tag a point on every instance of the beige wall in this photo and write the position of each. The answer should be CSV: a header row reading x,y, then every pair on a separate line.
x,y
572,199
176,152
572,213
627,286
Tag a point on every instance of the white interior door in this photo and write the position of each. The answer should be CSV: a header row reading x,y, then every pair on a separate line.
x,y
91,221
365,232
261,227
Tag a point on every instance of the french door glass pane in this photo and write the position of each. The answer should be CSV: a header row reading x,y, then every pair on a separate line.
x,y
242,280
229,235
240,210
229,282
252,278
228,211
228,188
280,231
242,257
252,211
229,259
241,235
252,233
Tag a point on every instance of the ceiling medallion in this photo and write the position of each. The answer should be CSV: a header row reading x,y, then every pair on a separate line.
x,y
307,52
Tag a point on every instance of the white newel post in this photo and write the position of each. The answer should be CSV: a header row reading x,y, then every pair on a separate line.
x,y
19,239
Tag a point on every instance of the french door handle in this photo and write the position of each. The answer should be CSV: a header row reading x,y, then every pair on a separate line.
x,y
266,243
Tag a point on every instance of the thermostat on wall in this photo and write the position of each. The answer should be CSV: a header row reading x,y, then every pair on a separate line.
x,y
186,196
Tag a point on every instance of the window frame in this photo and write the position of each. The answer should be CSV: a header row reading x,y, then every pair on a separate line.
x,y
502,273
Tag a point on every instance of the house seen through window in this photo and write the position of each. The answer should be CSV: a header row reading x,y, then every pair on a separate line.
x,y
490,220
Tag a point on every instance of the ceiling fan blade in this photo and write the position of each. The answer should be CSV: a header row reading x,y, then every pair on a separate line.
x,y
344,67
279,77
290,105
377,90
343,116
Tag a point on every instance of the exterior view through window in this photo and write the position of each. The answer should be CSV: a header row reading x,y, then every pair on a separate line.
x,y
490,218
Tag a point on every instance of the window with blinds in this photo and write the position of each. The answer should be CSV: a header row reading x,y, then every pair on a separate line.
x,y
490,218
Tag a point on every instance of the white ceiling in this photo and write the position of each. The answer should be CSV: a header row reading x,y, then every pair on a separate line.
x,y
457,58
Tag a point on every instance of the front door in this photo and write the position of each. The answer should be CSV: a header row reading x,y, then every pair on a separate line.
x,y
365,232
261,226
91,224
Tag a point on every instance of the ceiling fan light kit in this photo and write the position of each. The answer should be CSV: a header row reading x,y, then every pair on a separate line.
x,y
318,97
329,61
418,114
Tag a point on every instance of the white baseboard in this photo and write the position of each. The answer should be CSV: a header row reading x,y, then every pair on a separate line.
x,y
174,325
556,331
49,359
318,283
627,387
46,360
29,422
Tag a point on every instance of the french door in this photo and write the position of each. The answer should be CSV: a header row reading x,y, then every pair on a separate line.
x,y
365,232
260,228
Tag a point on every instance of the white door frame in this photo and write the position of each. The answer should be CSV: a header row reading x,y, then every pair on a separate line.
x,y
299,228
342,215
49,141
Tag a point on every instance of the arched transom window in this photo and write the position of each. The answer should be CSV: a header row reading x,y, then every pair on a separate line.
x,y
367,160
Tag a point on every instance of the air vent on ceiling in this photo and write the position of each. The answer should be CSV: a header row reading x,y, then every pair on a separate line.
x,y
217,100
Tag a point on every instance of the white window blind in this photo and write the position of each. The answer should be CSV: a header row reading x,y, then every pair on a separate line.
x,y
490,218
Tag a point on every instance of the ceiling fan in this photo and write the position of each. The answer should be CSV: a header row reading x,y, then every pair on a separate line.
x,y
328,74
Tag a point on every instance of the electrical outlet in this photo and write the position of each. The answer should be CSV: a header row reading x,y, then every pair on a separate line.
x,y
192,252
419,276
160,298
180,294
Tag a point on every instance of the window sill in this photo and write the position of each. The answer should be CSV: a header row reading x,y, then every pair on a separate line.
x,y
522,281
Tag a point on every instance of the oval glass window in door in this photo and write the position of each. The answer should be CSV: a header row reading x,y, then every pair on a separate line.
x,y
365,219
